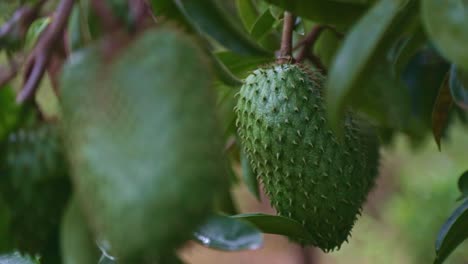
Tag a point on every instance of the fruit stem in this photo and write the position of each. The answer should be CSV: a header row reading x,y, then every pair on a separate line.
x,y
285,51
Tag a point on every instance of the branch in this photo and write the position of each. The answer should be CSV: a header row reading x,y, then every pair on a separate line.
x,y
20,21
286,39
42,53
308,42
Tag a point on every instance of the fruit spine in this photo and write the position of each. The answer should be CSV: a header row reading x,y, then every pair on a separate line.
x,y
308,174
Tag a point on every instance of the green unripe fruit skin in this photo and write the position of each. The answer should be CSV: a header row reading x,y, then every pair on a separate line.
x,y
143,141
308,174
34,184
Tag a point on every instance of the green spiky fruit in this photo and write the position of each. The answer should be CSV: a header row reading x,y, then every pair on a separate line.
x,y
308,174
143,142
35,186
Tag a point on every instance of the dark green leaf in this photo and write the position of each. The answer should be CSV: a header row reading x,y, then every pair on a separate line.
x,y
384,98
223,73
441,110
263,25
242,65
362,2
323,11
225,233
326,46
459,86
249,177
453,233
463,185
355,56
207,17
446,23
273,224
17,258
247,12
8,112
409,48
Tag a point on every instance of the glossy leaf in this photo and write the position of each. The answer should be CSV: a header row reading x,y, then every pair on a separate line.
x,y
247,12
17,258
355,56
223,73
225,233
263,25
441,110
459,86
323,11
446,23
453,233
242,65
273,224
463,185
249,177
207,17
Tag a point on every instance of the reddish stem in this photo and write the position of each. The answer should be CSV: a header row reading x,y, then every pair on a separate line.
x,y
44,49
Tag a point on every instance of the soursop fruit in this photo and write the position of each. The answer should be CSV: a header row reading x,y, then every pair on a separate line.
x,y
35,186
143,142
308,174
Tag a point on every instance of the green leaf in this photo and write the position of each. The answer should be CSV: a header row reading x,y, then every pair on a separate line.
x,y
463,185
242,65
9,110
384,98
361,2
355,56
77,244
273,224
225,233
247,12
323,11
35,30
223,73
441,110
459,86
17,258
263,25
446,23
409,48
207,17
453,233
249,177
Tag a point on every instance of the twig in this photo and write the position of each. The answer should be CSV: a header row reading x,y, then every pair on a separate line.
x,y
42,53
286,39
21,20
308,42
